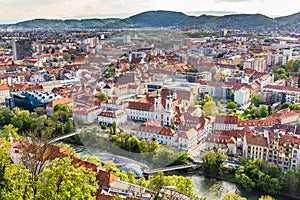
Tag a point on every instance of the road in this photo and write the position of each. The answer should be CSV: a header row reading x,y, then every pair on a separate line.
x,y
196,150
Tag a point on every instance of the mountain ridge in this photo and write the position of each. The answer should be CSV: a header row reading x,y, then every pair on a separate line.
x,y
163,18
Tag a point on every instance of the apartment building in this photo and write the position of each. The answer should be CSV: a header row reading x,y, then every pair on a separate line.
x,y
277,92
273,147
4,92
258,64
162,134
223,122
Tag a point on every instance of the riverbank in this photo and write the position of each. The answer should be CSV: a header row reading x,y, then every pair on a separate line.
x,y
279,196
211,187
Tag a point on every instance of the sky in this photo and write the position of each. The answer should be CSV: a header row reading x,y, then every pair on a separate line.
x,y
12,11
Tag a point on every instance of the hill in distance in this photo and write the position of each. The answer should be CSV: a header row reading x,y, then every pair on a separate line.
x,y
162,18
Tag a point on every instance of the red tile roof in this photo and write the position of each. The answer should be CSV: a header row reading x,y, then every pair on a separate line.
x,y
256,140
222,119
4,87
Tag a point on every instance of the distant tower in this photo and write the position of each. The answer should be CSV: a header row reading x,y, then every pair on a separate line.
x,y
174,94
169,107
126,39
22,49
157,101
130,57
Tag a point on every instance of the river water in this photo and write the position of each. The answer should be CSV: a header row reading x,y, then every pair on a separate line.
x,y
210,188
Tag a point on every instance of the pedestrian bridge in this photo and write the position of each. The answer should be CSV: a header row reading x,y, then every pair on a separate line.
x,y
173,168
64,137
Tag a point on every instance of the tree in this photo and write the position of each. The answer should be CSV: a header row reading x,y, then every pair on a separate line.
x,y
266,198
103,127
62,107
207,98
102,97
232,196
110,166
231,105
108,75
290,181
5,116
244,181
157,182
21,120
213,162
8,132
69,126
18,183
64,180
284,105
117,197
255,100
67,57
55,59
263,111
114,128
210,109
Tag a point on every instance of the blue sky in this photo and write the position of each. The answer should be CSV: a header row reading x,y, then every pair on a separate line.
x,y
19,10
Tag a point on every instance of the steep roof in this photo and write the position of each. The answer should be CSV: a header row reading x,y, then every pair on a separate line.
x,y
4,87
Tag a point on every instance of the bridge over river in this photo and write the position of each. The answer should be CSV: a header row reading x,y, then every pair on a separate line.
x,y
172,168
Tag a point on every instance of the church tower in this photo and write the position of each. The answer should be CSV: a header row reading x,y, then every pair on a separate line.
x,y
157,101
169,107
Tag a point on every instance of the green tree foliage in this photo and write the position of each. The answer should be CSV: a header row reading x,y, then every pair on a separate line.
x,y
67,57
242,179
114,128
102,97
263,111
232,196
24,121
103,126
5,116
108,75
290,181
62,107
210,109
284,105
62,180
69,127
213,162
287,105
150,149
267,197
21,120
59,180
231,105
255,100
257,173
182,184
9,131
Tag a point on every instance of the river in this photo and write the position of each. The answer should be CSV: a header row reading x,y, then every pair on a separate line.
x,y
210,188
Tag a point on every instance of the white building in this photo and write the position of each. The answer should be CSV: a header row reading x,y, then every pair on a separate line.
x,y
110,116
187,138
155,108
87,114
4,92
150,131
223,122
258,64
242,96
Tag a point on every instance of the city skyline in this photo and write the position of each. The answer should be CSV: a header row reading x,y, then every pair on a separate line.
x,y
16,10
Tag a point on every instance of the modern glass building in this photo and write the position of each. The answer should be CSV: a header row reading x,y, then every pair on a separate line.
x,y
32,100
